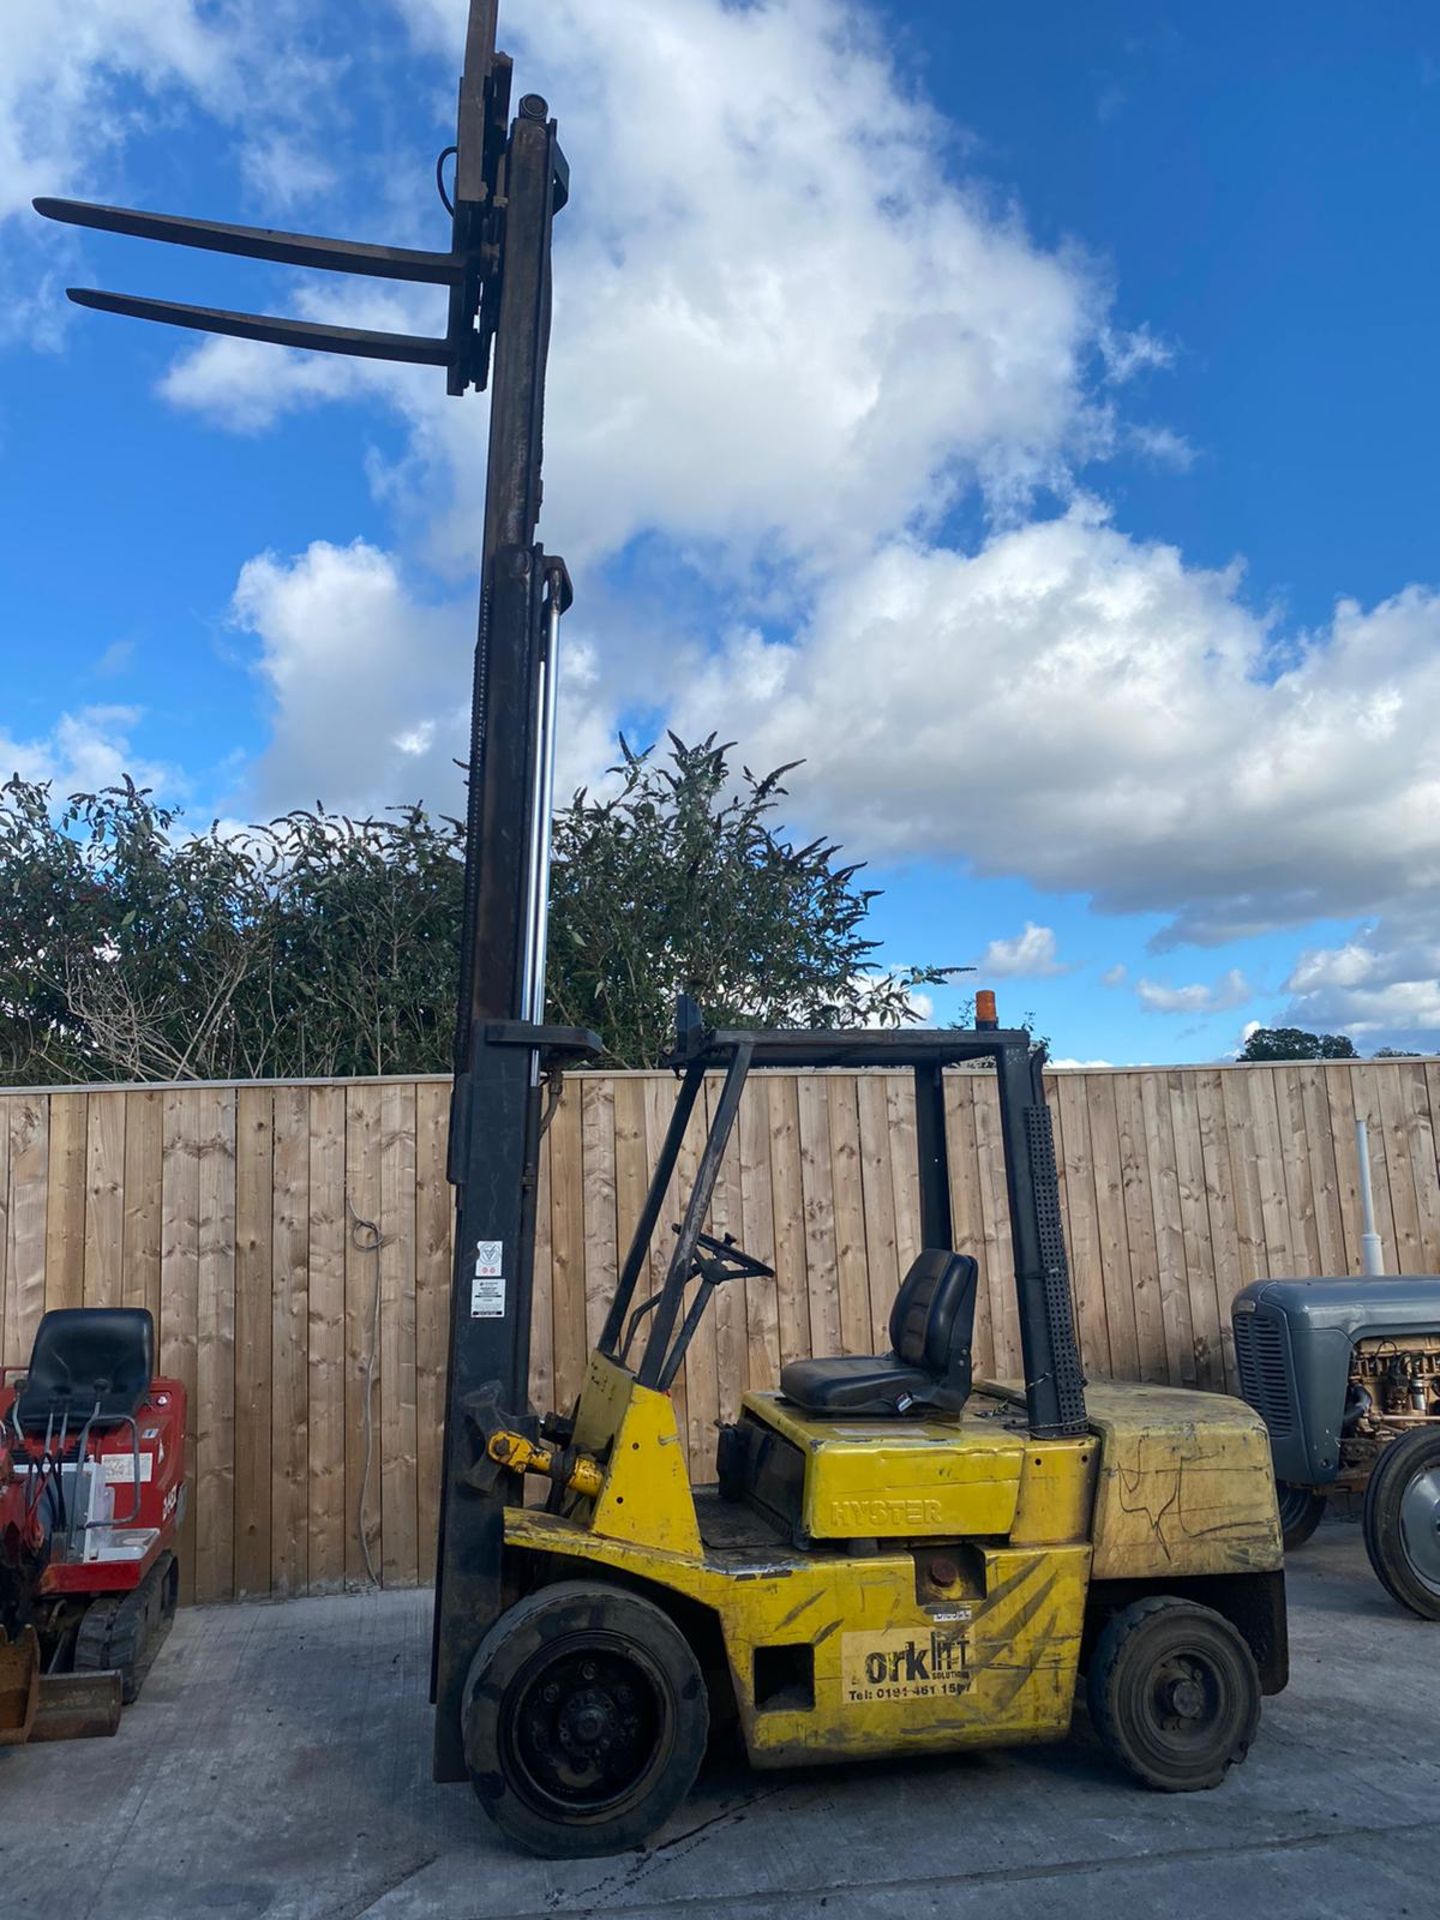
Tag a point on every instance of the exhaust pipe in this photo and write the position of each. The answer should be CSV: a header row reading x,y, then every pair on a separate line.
x,y
1372,1254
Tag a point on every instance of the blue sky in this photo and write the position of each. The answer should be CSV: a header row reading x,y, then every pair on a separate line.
x,y
1024,413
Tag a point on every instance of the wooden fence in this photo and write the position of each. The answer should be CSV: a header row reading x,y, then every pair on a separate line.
x,y
235,1214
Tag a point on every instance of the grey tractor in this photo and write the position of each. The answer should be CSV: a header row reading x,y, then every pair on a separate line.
x,y
1345,1374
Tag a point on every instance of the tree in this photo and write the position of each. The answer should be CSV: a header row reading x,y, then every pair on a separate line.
x,y
131,950
1294,1043
320,945
123,952
678,881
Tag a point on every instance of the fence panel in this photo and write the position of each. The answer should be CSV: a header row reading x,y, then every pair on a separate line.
x,y
294,1243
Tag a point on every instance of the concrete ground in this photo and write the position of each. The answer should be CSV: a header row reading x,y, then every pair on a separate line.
x,y
277,1765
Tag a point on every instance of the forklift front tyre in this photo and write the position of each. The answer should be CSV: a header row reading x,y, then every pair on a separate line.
x,y
1401,1521
585,1718
1174,1693
1301,1511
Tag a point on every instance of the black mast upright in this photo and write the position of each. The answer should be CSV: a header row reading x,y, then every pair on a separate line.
x,y
502,1048
510,180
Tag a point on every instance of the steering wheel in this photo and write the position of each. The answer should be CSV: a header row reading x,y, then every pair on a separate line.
x,y
735,1263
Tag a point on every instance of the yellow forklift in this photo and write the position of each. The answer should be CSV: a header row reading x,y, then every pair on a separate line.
x,y
893,1558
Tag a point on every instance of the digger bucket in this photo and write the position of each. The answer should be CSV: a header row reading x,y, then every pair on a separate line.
x,y
37,1706
19,1687
77,1706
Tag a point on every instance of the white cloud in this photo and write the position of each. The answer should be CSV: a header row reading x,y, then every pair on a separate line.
x,y
282,171
370,685
1232,989
846,333
1127,354
1122,729
1030,955
1343,967
116,660
1383,985
84,751
1115,976
921,1006
83,81
247,387
1162,445
1250,1026
796,334
79,82
57,80
357,669
62,70
1077,1066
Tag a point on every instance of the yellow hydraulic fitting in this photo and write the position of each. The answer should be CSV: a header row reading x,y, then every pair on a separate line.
x,y
575,1471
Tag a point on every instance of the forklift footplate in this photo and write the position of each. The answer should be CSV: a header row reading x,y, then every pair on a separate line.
x,y
727,1527
123,1634
77,1706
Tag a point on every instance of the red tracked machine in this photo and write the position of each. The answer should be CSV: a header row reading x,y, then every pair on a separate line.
x,y
92,1492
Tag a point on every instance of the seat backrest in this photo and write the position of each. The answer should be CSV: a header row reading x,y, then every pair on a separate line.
x,y
933,1320
85,1355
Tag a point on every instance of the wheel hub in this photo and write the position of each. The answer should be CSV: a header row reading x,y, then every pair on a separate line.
x,y
588,1720
585,1728
1185,1698
1420,1525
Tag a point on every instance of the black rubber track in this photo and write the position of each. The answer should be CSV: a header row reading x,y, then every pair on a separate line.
x,y
124,1632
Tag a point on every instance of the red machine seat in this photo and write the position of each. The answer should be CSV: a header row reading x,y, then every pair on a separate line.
x,y
87,1362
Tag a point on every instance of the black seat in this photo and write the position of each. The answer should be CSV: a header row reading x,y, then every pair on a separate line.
x,y
84,1357
931,1326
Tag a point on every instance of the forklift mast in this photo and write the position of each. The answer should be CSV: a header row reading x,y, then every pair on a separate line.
x,y
510,179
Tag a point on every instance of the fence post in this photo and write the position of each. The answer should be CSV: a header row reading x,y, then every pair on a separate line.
x,y
1372,1254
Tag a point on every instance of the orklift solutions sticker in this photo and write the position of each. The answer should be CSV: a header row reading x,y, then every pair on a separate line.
x,y
904,1664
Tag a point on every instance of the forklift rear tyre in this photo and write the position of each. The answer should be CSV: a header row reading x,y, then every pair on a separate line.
x,y
1301,1511
1174,1693
585,1719
1401,1521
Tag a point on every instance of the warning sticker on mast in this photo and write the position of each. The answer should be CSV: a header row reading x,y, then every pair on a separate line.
x,y
487,1286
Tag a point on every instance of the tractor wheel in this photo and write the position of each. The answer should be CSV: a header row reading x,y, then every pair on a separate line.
x,y
1401,1521
1174,1693
1301,1511
585,1718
